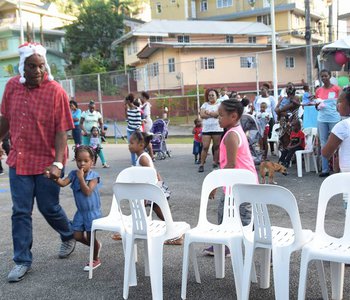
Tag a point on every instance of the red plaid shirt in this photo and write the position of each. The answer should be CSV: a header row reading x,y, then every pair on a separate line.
x,y
35,116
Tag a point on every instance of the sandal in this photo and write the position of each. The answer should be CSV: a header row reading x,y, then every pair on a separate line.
x,y
175,242
116,237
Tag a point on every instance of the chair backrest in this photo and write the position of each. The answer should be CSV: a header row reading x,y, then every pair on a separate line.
x,y
134,193
222,178
335,184
136,175
310,137
266,194
274,132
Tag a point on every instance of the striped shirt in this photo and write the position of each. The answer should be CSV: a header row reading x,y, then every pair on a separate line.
x,y
134,119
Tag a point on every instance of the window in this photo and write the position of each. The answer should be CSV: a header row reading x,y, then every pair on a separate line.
x,y
229,39
290,62
137,74
153,69
223,3
204,5
207,63
266,19
155,39
252,39
171,65
129,49
183,39
132,47
3,45
248,62
159,8
50,44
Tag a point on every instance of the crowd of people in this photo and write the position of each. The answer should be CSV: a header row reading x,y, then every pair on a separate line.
x,y
35,93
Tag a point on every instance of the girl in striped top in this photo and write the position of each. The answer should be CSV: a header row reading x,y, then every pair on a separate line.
x,y
133,115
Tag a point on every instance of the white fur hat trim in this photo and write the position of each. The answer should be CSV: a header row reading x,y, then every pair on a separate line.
x,y
28,49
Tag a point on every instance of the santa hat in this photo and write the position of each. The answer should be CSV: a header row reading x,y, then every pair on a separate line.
x,y
28,49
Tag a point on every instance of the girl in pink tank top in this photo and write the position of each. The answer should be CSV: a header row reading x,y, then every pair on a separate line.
x,y
234,146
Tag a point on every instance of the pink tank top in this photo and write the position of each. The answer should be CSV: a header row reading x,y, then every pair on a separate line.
x,y
244,159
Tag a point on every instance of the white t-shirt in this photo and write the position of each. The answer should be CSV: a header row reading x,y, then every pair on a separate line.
x,y
91,119
211,124
342,131
222,98
270,102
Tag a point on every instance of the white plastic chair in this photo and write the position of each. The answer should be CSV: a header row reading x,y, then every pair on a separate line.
x,y
310,138
282,241
325,247
274,135
113,222
228,233
155,233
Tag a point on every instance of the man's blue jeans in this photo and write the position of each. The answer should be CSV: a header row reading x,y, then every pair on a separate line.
x,y
24,188
324,129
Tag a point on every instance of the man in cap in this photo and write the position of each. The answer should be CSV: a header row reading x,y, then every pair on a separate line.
x,y
35,110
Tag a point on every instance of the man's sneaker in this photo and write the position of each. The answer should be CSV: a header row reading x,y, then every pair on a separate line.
x,y
2,173
209,251
17,273
67,248
95,264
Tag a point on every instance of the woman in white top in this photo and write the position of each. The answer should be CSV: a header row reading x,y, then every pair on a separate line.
x,y
146,108
340,134
271,105
211,129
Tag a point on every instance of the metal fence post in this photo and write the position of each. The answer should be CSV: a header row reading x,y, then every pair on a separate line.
x,y
99,93
197,86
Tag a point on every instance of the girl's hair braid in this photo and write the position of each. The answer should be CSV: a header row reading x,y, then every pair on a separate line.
x,y
233,105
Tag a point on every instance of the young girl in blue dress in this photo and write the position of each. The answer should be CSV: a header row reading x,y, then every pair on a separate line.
x,y
85,185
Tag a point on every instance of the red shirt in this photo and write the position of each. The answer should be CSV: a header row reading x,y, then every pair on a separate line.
x,y
295,137
35,116
197,134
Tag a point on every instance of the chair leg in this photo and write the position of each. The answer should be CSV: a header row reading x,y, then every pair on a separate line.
x,y
145,257
219,258
322,279
307,161
92,242
237,265
298,156
315,162
247,267
337,279
132,276
303,275
129,254
265,269
155,249
185,262
193,258
281,266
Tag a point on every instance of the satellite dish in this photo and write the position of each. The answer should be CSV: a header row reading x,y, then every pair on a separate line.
x,y
251,3
178,76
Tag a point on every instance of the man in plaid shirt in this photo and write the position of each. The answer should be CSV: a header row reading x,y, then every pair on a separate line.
x,y
35,110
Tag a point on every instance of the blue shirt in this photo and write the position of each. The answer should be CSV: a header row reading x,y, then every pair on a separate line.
x,y
86,203
76,114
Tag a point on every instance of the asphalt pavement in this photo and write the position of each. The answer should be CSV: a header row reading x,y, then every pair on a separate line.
x,y
54,278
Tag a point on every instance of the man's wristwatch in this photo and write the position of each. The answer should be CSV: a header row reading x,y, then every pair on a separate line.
x,y
58,165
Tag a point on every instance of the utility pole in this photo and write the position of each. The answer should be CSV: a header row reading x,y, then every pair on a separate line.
x,y
308,39
330,22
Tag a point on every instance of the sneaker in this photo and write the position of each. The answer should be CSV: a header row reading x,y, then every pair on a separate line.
x,y
105,166
215,166
324,174
201,169
2,173
209,251
67,248
95,264
17,273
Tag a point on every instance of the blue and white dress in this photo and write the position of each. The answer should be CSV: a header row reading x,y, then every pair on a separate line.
x,y
89,207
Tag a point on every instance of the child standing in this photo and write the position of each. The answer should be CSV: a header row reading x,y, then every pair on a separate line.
x,y
95,144
234,154
263,117
297,142
197,140
137,145
85,185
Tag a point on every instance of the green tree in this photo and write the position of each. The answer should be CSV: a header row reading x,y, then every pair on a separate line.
x,y
99,23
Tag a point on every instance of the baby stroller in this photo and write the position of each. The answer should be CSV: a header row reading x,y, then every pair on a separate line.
x,y
160,134
254,132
